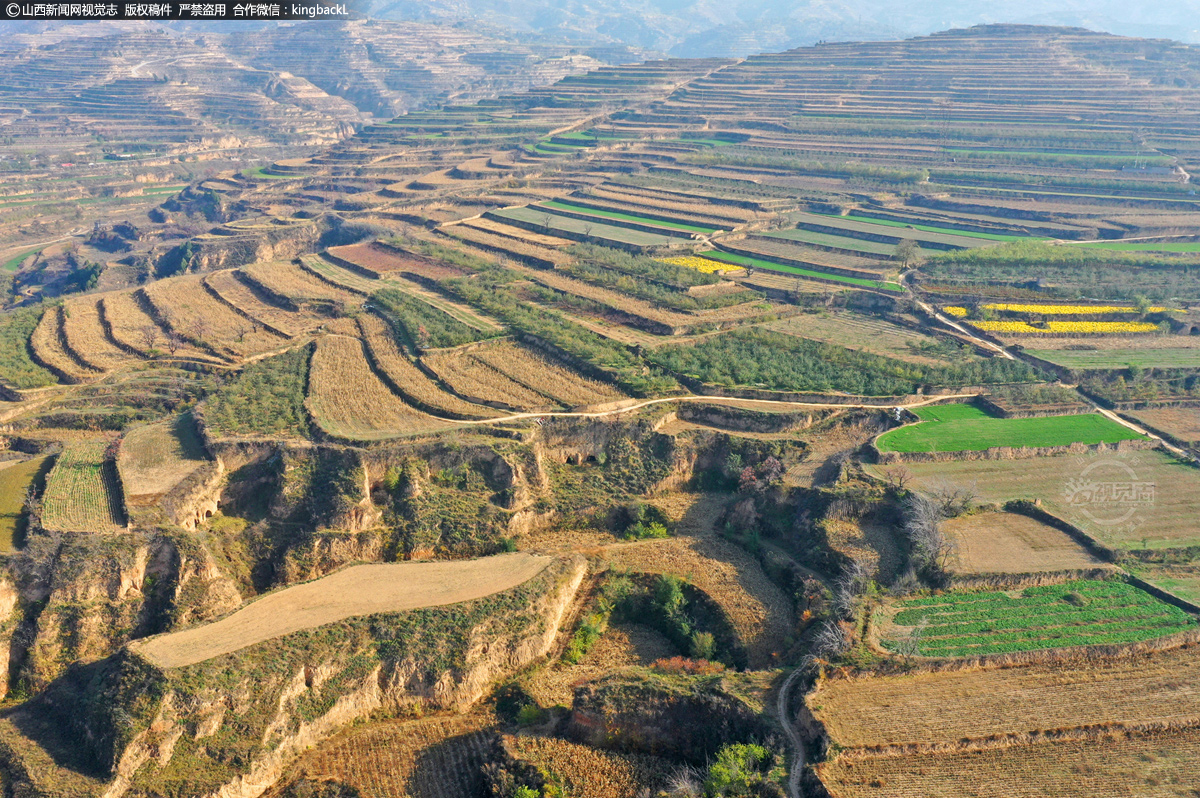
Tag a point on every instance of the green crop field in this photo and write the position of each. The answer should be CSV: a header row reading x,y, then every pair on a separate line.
x,y
1080,613
838,242
759,263
15,479
926,228
82,494
628,217
1120,358
966,428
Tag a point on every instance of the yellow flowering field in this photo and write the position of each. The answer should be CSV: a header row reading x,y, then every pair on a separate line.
x,y
706,265
1085,327
1071,310
956,311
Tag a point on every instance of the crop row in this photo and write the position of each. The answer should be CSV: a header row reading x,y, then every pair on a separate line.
x,y
1086,327
1057,310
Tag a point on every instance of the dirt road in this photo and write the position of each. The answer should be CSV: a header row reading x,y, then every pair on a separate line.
x,y
354,591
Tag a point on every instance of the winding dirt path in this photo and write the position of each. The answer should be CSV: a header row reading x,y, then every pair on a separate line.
x,y
796,768
358,590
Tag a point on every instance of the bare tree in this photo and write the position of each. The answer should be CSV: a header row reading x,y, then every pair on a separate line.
x,y
831,641
850,587
148,333
174,343
931,549
241,330
897,478
200,328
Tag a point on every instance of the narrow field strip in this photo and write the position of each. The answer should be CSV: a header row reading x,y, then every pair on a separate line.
x,y
759,263
354,591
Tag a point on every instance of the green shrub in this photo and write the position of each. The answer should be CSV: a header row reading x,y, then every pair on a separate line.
x,y
418,325
266,399
16,366
741,770
703,646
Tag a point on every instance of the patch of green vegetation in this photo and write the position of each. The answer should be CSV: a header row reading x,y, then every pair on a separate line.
x,y
1079,613
629,217
668,274
450,514
1143,385
261,173
930,228
12,263
966,428
1084,359
16,366
1144,246
267,398
760,263
418,325
15,481
758,358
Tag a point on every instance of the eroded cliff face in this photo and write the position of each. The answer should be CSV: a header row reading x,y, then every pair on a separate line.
x,y
228,727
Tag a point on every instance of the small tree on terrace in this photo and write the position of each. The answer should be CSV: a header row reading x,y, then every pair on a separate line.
x,y
908,253
148,333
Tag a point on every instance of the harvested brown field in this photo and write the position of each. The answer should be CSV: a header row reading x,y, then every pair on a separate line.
x,y
85,336
1180,422
383,260
473,379
156,457
439,757
351,592
620,646
134,328
1154,765
495,238
236,293
867,334
337,276
932,708
990,543
407,379
197,316
348,400
1169,520
290,283
47,348
528,366
586,772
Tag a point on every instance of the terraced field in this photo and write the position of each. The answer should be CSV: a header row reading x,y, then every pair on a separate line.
x,y
966,428
82,490
16,477
991,543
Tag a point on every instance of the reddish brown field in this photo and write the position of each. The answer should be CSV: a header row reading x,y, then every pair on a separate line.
x,y
383,260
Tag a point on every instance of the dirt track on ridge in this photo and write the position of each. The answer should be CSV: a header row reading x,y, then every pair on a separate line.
x,y
354,591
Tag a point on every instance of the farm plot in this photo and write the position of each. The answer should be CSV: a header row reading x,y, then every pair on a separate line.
x,y
291,284
966,428
870,334
197,316
1100,359
237,294
1159,513
627,217
348,400
855,246
82,494
348,593
523,364
16,477
586,772
420,325
1180,422
1066,327
760,263
952,706
48,349
84,335
991,543
471,378
440,757
335,275
546,222
1081,613
156,457
408,380
382,260
1151,765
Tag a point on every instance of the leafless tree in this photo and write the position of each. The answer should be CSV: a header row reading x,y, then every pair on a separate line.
x,y
931,549
149,335
850,587
200,328
242,331
831,641
174,343
897,478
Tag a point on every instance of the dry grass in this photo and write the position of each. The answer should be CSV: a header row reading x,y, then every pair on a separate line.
x,y
358,590
760,612
236,293
620,646
863,333
439,757
49,349
585,772
869,542
947,707
990,543
410,380
468,376
85,335
198,317
290,281
1169,520
1160,765
156,457
1182,422
347,400
525,365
